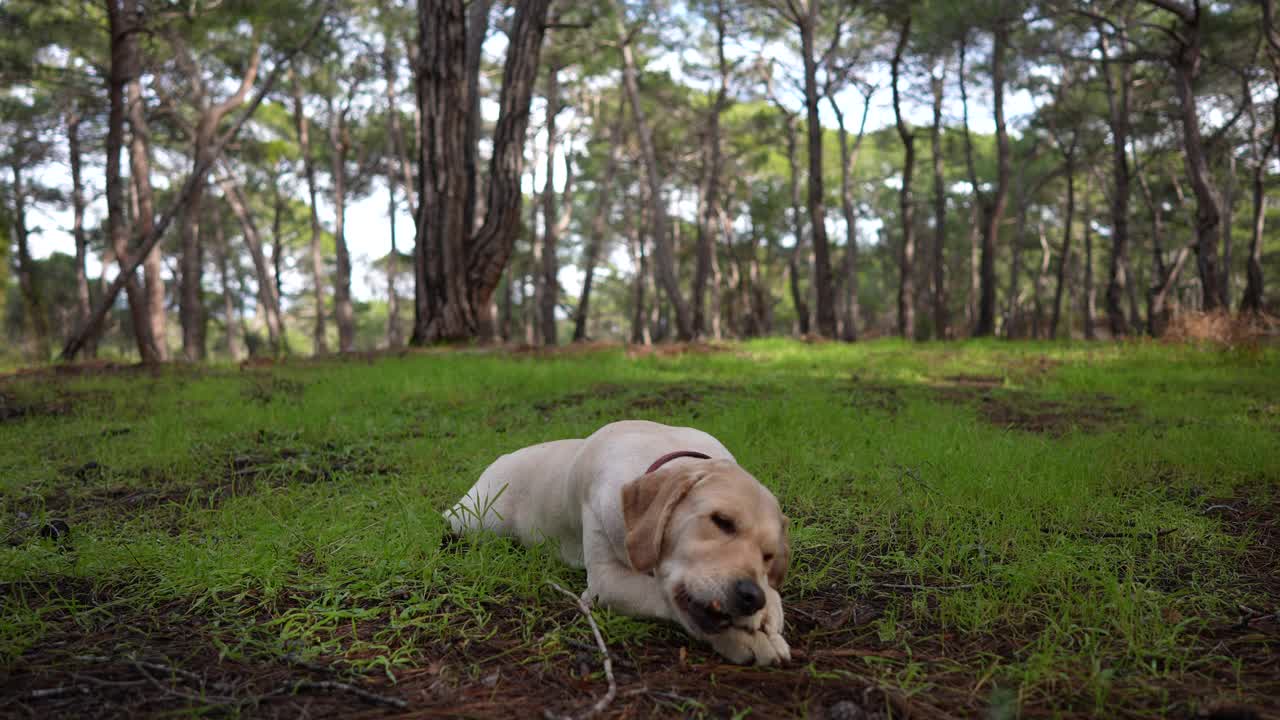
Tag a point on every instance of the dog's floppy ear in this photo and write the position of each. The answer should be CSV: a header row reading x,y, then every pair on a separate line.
x,y
647,503
781,561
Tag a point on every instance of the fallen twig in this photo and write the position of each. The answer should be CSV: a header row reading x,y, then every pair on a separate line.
x,y
347,687
603,702
143,665
911,586
41,693
1099,535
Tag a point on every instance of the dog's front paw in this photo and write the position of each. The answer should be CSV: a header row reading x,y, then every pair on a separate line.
x,y
746,647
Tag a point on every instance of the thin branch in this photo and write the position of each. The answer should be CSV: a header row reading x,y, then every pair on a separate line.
x,y
349,688
605,701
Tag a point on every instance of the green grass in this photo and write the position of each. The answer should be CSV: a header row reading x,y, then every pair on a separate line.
x,y
1013,528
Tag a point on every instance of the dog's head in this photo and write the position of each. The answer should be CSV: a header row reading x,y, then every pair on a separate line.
x,y
712,534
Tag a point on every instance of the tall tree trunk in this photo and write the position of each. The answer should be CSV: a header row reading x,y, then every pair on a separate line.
x,y
228,297
848,161
191,310
797,228
319,333
1186,65
144,223
826,313
550,267
344,313
124,65
1042,279
705,239
599,221
1253,289
395,336
994,209
33,307
268,300
1065,261
941,320
1229,199
1118,119
461,270
84,302
506,308
660,224
906,203
1013,322
1090,302
635,246
477,28
277,258
1155,324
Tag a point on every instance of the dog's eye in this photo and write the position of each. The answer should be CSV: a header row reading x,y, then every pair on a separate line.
x,y
768,557
725,524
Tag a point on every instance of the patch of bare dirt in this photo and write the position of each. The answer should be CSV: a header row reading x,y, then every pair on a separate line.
x,y
1027,412
267,461
603,391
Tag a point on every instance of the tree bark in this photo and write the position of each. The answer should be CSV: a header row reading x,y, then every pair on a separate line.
x,y
1042,279
599,221
994,208
228,297
797,228
277,258
319,333
477,29
906,203
124,64
550,267
1118,120
1090,306
268,299
144,223
84,302
660,224
1065,260
848,161
1253,289
29,284
395,336
460,271
941,319
635,246
1186,59
191,310
826,315
340,145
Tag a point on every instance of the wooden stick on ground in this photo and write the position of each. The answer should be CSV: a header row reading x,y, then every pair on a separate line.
x,y
603,702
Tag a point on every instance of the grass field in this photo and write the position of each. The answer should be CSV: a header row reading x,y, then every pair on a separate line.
x,y
980,529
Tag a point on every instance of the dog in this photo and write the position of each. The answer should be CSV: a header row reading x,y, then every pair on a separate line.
x,y
665,522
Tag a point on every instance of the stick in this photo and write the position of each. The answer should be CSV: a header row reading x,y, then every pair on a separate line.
x,y
603,702
346,687
909,586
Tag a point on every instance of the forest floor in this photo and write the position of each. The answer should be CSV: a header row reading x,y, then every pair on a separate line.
x,y
980,530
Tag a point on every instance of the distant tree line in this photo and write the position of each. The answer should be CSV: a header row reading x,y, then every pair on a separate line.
x,y
642,171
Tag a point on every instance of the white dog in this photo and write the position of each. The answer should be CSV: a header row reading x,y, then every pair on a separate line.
x,y
665,522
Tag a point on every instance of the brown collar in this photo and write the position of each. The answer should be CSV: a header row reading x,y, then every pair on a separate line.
x,y
673,455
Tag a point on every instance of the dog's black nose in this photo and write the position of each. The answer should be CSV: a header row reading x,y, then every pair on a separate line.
x,y
749,597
